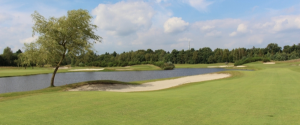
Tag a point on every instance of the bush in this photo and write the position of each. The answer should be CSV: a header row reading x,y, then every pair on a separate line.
x,y
250,59
266,60
81,64
164,66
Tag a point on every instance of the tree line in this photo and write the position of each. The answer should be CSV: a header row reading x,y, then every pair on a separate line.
x,y
8,58
203,55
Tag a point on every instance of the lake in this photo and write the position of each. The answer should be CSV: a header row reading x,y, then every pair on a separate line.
x,y
35,82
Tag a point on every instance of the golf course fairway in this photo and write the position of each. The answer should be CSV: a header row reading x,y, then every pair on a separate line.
x,y
269,95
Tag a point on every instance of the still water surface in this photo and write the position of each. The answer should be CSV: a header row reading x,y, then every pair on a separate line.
x,y
35,82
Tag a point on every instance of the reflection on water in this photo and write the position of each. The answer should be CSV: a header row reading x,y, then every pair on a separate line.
x,y
35,82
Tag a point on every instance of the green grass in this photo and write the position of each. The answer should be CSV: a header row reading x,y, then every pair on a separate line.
x,y
269,95
199,65
15,71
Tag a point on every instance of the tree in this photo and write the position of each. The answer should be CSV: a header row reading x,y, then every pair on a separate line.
x,y
19,51
195,57
31,54
8,55
287,49
67,34
273,48
225,55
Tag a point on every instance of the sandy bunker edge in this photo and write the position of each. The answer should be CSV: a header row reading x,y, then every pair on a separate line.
x,y
150,86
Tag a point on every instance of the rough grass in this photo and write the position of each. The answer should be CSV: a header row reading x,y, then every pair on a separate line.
x,y
269,95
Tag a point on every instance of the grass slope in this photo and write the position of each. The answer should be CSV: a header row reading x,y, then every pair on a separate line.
x,y
268,96
15,71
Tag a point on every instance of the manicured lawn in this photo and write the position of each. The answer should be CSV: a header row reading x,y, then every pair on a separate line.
x,y
15,71
200,65
269,95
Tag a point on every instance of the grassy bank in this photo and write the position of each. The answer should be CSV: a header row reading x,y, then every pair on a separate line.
x,y
14,95
15,71
200,65
269,95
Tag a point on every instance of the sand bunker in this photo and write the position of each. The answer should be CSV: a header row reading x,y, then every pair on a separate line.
x,y
157,85
269,63
220,66
86,69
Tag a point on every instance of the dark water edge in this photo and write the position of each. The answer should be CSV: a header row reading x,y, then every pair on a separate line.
x,y
35,82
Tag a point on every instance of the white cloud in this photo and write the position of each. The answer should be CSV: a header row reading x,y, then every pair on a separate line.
x,y
216,24
286,22
175,25
233,34
119,43
242,28
3,17
124,18
158,1
207,27
184,39
200,5
29,39
213,33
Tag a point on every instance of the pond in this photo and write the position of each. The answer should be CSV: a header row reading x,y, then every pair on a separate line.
x,y
35,82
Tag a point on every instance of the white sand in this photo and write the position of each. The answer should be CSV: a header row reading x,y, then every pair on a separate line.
x,y
157,85
220,66
269,63
86,69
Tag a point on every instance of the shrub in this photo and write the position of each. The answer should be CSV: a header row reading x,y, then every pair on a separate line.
x,y
250,59
81,64
164,66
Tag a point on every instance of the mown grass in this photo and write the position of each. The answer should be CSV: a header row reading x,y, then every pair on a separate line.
x,y
15,71
269,95
199,65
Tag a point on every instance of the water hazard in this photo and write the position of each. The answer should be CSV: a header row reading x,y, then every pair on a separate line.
x,y
35,82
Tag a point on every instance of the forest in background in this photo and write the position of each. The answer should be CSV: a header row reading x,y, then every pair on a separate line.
x,y
203,55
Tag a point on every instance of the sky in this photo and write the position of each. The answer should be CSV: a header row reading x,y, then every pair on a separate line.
x,y
128,25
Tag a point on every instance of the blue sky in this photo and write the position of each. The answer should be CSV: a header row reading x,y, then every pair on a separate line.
x,y
163,24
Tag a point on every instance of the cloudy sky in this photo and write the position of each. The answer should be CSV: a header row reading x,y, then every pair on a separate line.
x,y
163,24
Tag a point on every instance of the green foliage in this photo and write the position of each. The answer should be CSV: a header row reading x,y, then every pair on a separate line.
x,y
165,66
250,59
81,64
71,34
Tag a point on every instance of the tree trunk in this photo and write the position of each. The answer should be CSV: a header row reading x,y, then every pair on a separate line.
x,y
56,68
53,76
